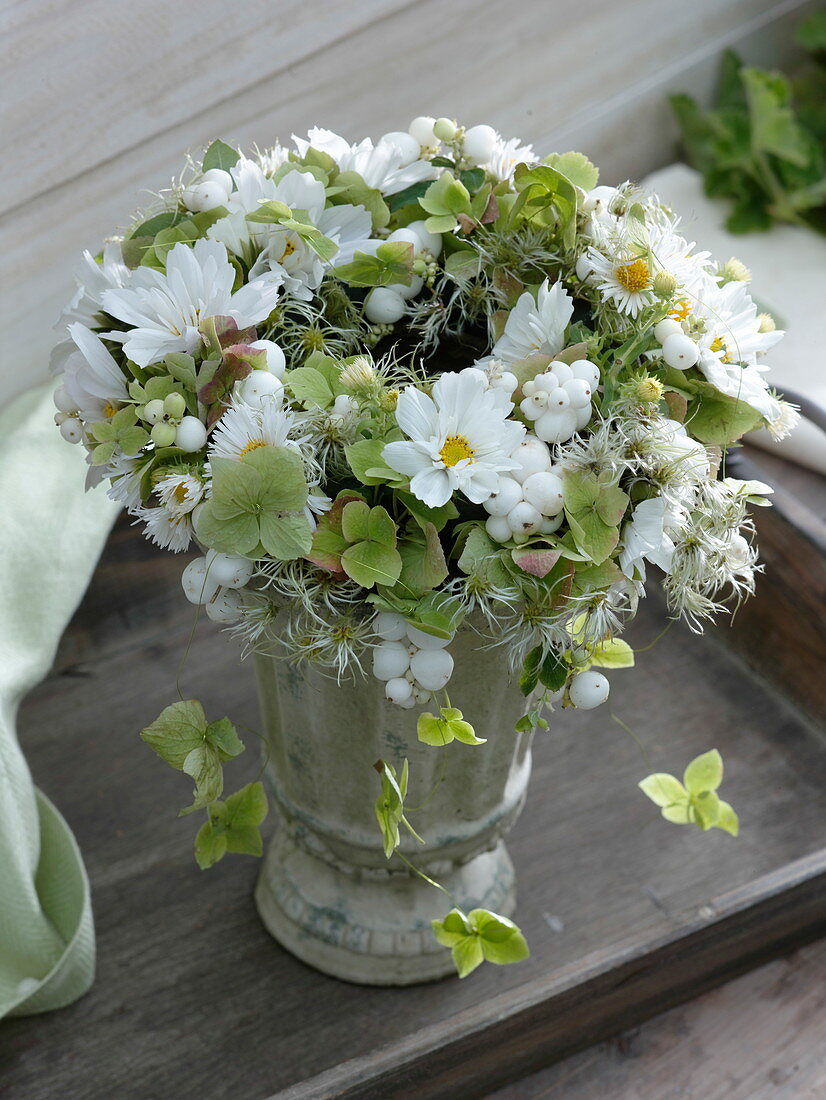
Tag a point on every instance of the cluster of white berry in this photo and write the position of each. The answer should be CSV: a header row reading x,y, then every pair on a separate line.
x,y
559,400
528,500
411,663
214,580
679,350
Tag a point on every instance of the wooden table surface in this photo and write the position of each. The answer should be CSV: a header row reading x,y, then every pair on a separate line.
x,y
194,1000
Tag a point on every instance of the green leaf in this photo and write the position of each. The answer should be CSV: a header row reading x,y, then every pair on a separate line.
x,y
285,537
284,487
716,418
727,819
529,676
454,927
553,672
613,653
447,727
310,387
502,941
203,764
354,520
592,536
210,846
220,155
424,566
369,563
774,128
663,789
446,197
352,189
580,490
704,773
224,738
237,534
365,455
380,527
392,263
575,167
177,730
547,199
706,807
467,955
611,505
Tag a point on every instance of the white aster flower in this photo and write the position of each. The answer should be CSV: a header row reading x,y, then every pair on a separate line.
x,y
166,309
535,326
505,157
179,492
459,439
170,532
385,165
92,379
243,428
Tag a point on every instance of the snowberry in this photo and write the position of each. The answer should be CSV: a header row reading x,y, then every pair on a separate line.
x,y
508,493
584,368
667,327
63,401
558,398
405,292
560,371
679,351
390,660
197,585
153,411
579,392
220,178
505,381
550,524
498,528
407,145
398,690
431,242
71,429
389,626
258,386
599,197
544,491
432,668
421,128
191,434
276,360
529,388
556,426
408,237
204,196
163,434
383,306
532,456
174,405
444,129
226,607
583,416
228,570
524,519
588,690
420,695
478,144
423,640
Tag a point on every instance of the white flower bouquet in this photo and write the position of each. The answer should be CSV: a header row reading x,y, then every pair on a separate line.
x,y
390,389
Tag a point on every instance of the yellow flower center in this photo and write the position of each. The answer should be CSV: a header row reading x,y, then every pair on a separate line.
x,y
718,344
454,449
289,248
634,276
180,492
680,310
253,445
109,409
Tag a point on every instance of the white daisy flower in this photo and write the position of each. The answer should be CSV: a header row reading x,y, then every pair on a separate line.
x,y
125,486
170,532
179,492
243,428
93,279
167,308
535,325
385,165
459,439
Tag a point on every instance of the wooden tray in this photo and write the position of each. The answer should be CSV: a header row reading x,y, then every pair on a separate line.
x,y
625,914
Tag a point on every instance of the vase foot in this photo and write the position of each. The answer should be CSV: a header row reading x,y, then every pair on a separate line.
x,y
372,927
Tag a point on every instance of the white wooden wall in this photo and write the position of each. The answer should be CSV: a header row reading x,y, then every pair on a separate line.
x,y
101,98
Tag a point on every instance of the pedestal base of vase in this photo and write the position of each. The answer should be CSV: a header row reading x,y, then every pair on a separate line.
x,y
368,926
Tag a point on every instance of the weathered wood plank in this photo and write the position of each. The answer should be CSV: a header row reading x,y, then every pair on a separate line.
x,y
192,997
759,1037
548,86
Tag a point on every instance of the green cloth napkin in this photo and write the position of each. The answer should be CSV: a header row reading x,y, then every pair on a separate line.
x,y
51,535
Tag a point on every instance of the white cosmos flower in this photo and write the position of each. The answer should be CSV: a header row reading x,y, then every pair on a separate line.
x,y
271,248
645,538
92,378
385,165
179,492
460,438
535,325
243,428
93,279
166,309
731,344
